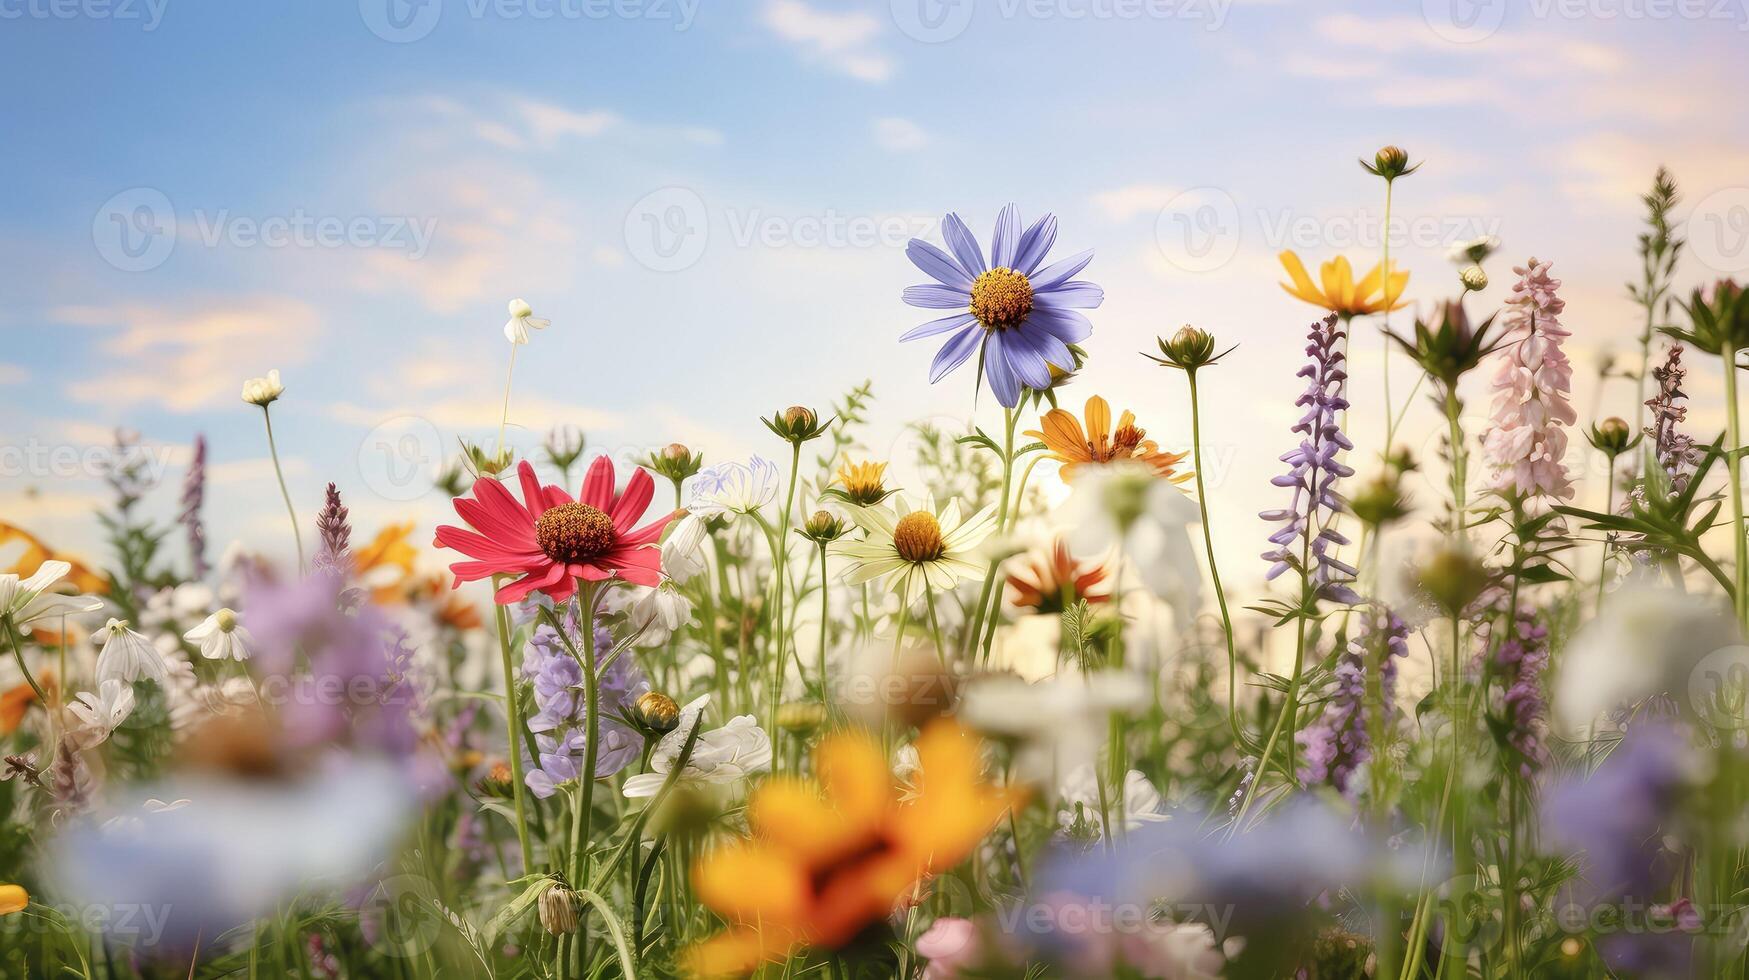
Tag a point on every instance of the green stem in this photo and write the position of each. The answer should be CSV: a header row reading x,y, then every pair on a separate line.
x,y
825,612
504,416
988,610
273,451
1608,537
513,726
1385,264
780,560
1208,541
1733,467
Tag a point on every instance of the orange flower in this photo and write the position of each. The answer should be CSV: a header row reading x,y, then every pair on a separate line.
x,y
15,702
827,859
390,558
35,552
1069,445
1340,293
1058,581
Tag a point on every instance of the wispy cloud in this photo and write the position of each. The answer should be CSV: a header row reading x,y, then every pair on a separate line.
x,y
843,42
898,135
1129,201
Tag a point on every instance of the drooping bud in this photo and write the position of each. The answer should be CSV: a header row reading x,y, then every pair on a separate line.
x,y
558,911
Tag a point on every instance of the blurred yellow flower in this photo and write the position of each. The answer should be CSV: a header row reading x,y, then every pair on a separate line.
x,y
828,858
1340,294
13,898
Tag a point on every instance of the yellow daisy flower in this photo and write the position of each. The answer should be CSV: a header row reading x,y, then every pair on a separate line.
x,y
1340,294
1068,444
916,549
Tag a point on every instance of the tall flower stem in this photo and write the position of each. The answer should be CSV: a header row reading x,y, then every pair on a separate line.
x,y
504,415
1208,541
780,562
1733,469
825,614
1608,536
273,452
1289,707
18,655
513,734
1009,420
1384,333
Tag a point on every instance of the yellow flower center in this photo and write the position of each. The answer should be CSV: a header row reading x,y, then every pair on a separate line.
x,y
917,537
574,533
226,620
1001,298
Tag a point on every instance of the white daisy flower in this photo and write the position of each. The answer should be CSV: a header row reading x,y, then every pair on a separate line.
x,y
221,637
28,601
263,391
922,549
104,711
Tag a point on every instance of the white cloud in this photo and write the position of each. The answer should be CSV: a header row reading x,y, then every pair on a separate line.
x,y
840,41
184,357
547,122
13,374
899,135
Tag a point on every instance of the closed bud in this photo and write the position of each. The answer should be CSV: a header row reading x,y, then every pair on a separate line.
x,y
823,526
676,451
1379,502
1189,349
1453,578
558,911
656,711
801,717
1611,436
1390,162
1473,278
797,417
796,424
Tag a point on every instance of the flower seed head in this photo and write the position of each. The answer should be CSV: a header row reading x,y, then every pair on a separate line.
x,y
573,533
917,537
1001,298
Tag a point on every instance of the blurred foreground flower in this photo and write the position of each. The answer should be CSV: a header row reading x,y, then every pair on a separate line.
x,y
13,898
825,860
1019,318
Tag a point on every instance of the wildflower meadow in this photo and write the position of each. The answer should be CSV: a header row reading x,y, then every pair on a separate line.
x,y
1007,697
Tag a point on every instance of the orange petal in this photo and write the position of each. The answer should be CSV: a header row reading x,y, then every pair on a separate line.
x,y
752,881
737,952
1338,278
1099,426
1302,287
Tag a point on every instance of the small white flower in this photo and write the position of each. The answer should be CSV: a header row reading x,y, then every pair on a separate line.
x,y
1141,801
721,756
1122,503
220,637
128,656
657,613
521,319
1649,641
738,488
28,601
1060,722
263,391
683,552
104,711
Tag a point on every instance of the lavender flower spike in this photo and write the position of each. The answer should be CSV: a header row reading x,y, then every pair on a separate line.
x,y
1675,450
336,534
1314,471
1338,743
193,497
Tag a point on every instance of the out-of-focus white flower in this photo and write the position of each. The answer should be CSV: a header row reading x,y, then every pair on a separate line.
x,y
1646,642
1060,722
170,609
522,318
28,601
128,656
724,755
1141,801
104,711
736,488
683,552
221,637
263,391
657,613
1127,506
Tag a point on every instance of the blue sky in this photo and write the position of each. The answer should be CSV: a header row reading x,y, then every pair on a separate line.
x,y
710,201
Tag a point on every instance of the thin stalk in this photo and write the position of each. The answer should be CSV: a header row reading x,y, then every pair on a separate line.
x,y
1608,537
780,561
1733,469
1009,420
1385,264
1208,541
504,415
513,726
273,452
824,616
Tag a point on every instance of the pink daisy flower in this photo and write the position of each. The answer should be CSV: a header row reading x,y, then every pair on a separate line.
x,y
550,540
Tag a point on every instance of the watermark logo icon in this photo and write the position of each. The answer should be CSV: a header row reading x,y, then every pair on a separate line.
x,y
402,458
1464,21
932,21
135,231
1198,230
667,229
1718,230
400,21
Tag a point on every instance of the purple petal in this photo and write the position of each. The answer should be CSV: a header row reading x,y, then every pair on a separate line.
x,y
1002,380
1068,326
1007,239
1035,244
937,297
1080,295
942,325
1026,360
1057,273
1047,344
937,264
954,352
965,247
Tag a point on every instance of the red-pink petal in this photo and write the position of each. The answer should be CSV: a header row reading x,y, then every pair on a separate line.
x,y
597,489
534,501
538,578
631,505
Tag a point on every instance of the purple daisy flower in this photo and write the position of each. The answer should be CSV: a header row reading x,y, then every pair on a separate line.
x,y
1021,318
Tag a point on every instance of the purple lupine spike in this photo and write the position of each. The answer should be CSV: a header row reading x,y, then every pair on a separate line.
x,y
1675,451
193,497
560,735
1520,661
335,553
1339,742
1315,467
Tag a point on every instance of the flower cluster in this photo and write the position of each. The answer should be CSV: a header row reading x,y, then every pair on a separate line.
x,y
1526,442
1339,742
